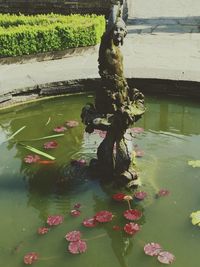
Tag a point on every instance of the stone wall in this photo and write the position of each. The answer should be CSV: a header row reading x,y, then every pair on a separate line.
x,y
55,6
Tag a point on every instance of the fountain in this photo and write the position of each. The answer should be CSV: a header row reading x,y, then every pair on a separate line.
x,y
116,106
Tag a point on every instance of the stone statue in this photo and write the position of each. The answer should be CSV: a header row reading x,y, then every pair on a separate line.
x,y
116,106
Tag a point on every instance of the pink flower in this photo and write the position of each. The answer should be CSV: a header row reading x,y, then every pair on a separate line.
x,y
31,158
103,216
43,230
73,236
133,215
77,247
30,257
166,257
152,249
50,145
163,192
55,220
131,228
60,129
78,162
118,196
91,222
140,195
71,123
75,213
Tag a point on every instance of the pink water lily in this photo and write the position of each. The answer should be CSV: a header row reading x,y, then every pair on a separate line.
x,y
118,196
55,220
152,249
163,193
77,247
104,216
50,145
90,223
131,228
60,129
75,213
137,130
140,195
31,159
71,123
166,257
30,258
43,230
133,215
73,236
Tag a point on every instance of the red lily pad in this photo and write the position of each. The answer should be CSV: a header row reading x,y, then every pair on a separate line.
x,y
75,213
43,230
46,162
139,153
137,130
77,247
116,227
104,216
60,129
133,215
55,220
30,258
152,249
31,159
163,193
50,145
140,195
73,236
71,124
118,196
131,228
166,257
91,222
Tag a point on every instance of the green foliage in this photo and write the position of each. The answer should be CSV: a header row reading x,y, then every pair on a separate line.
x,y
24,35
194,163
195,217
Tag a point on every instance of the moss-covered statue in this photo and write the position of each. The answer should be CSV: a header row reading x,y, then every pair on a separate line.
x,y
116,106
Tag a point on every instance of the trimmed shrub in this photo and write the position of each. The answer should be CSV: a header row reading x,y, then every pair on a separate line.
x,y
24,35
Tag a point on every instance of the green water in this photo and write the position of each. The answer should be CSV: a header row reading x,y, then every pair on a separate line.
x,y
29,193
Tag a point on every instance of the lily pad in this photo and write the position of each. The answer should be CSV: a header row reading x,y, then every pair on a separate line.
x,y
166,257
194,163
60,129
90,223
31,159
75,213
104,216
55,220
118,196
77,247
195,217
131,228
140,195
30,258
43,230
50,145
152,249
73,236
133,215
71,124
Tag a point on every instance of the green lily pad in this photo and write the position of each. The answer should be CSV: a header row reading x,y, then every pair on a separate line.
x,y
194,163
195,217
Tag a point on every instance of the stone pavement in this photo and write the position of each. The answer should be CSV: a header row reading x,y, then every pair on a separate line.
x,y
166,47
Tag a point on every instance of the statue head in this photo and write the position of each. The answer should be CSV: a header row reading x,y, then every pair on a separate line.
x,y
119,32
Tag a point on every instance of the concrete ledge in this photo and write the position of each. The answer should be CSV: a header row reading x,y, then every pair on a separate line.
x,y
70,52
187,89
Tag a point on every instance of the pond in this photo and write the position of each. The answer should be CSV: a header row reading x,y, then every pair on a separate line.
x,y
32,192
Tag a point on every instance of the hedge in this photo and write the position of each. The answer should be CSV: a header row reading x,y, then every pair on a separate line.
x,y
24,35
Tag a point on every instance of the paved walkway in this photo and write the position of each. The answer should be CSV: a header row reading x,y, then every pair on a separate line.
x,y
163,48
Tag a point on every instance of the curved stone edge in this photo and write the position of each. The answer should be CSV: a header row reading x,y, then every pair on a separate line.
x,y
54,55
147,86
